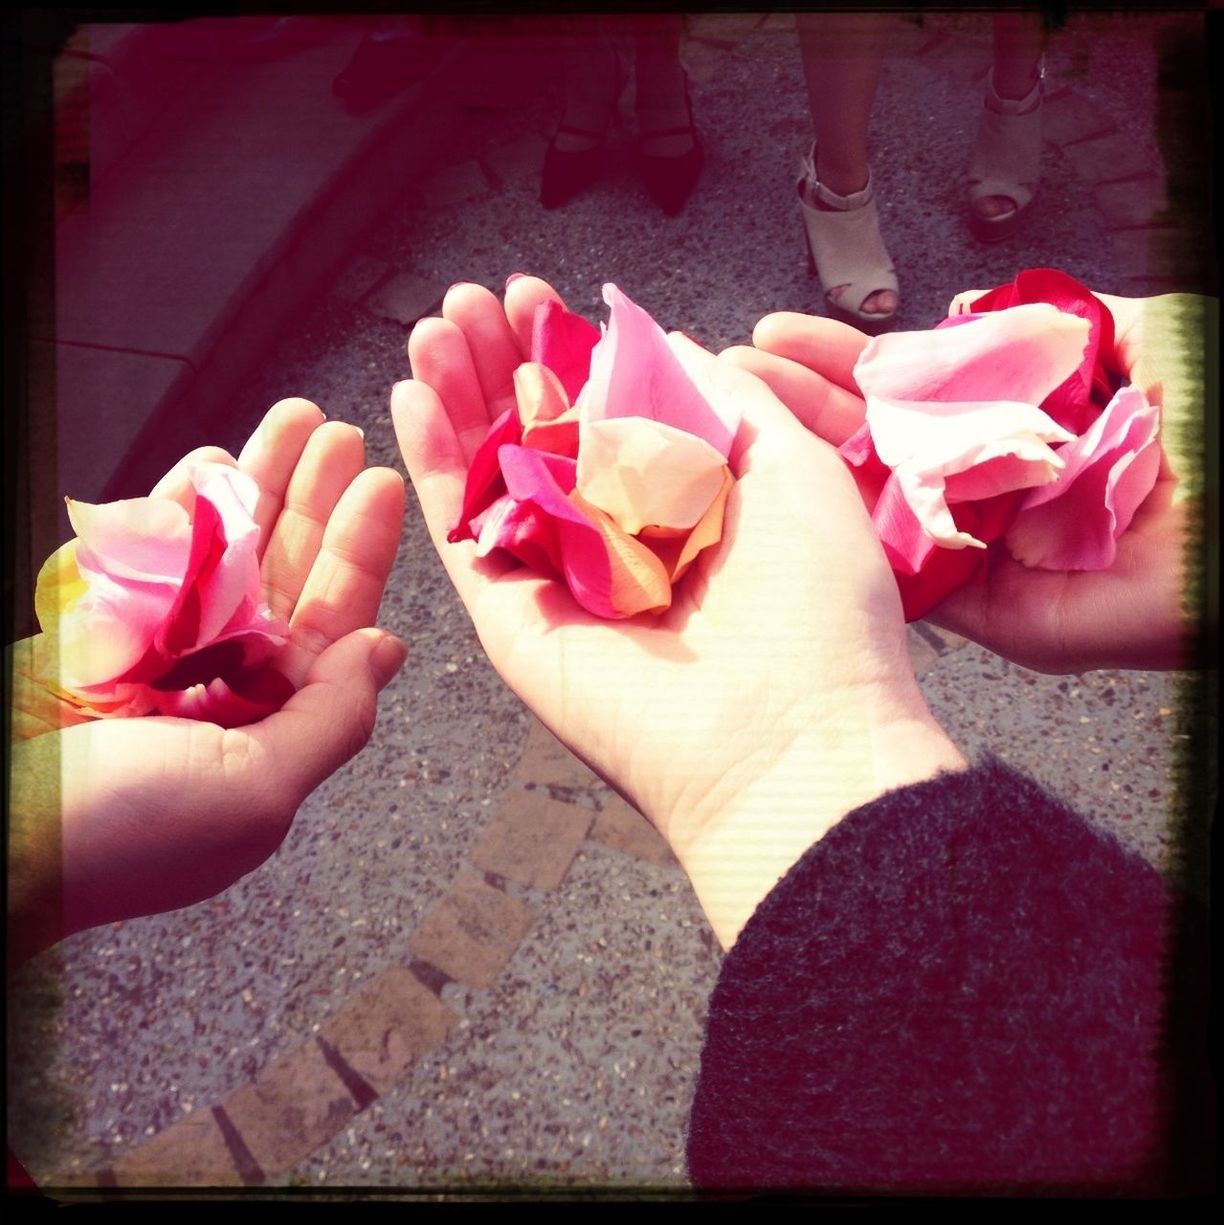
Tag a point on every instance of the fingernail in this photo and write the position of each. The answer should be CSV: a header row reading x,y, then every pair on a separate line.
x,y
514,276
387,658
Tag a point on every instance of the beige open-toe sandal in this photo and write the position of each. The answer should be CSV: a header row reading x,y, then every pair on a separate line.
x,y
1006,160
845,249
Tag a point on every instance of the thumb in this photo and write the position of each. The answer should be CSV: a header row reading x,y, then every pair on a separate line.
x,y
330,719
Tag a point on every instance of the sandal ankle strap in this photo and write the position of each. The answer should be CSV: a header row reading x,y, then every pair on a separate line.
x,y
1015,106
811,187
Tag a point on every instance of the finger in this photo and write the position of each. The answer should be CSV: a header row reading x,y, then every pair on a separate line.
x,y
334,455
176,484
271,454
345,585
438,468
828,346
330,718
523,295
491,341
821,406
439,355
766,426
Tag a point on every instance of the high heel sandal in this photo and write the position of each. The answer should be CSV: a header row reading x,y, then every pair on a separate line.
x,y
1006,159
670,180
567,172
845,249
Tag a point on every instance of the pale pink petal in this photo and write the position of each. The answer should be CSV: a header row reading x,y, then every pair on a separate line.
x,y
991,476
109,630
643,473
635,373
1129,423
719,385
148,539
1021,354
1075,523
234,580
945,434
923,494
906,545
963,452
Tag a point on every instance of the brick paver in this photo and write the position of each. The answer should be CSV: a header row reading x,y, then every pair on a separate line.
x,y
532,839
189,1153
547,760
386,1027
472,932
620,826
1067,116
1134,202
295,1104
1110,156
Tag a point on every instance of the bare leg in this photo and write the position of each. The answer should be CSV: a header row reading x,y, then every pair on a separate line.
x,y
1019,42
590,85
662,99
841,61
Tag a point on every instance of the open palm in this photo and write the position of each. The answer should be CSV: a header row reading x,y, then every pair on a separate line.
x,y
113,818
1129,615
787,634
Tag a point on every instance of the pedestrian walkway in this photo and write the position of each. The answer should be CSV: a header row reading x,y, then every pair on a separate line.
x,y
472,965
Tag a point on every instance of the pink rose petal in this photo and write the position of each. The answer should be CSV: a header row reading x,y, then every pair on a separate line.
x,y
146,539
1005,358
1074,524
1073,404
232,586
235,702
524,531
109,630
635,373
546,481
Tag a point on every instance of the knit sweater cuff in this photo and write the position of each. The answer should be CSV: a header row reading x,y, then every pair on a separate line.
x,y
958,988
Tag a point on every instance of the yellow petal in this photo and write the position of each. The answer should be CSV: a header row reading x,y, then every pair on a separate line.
x,y
59,587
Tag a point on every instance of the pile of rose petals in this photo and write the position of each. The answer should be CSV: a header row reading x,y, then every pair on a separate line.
x,y
610,472
1006,423
155,609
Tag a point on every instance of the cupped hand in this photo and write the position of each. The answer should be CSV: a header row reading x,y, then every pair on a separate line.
x,y
1133,614
113,818
772,697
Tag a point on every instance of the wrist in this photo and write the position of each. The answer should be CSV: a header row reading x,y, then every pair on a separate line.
x,y
773,806
34,913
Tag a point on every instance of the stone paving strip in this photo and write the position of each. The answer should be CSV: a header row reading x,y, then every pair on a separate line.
x,y
303,1097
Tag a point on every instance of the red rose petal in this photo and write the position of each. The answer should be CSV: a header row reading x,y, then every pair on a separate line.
x,y
563,341
484,480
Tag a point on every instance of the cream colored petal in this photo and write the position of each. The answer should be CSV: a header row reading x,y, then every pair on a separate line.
x,y
643,473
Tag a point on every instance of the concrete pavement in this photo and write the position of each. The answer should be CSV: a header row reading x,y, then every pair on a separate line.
x,y
471,968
